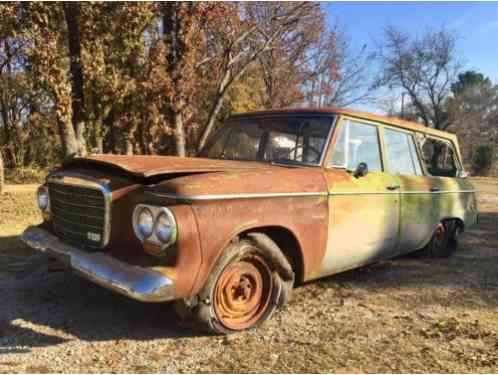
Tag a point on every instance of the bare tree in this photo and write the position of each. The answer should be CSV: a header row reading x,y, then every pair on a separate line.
x,y
336,74
248,31
283,68
423,67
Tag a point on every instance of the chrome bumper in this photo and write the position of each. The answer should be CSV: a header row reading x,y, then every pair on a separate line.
x,y
139,283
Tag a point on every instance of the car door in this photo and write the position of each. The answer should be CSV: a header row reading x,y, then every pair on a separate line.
x,y
363,210
417,216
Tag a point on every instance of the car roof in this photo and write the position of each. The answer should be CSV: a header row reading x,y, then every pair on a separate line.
x,y
394,121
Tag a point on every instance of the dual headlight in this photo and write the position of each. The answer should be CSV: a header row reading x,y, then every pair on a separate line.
x,y
154,224
43,199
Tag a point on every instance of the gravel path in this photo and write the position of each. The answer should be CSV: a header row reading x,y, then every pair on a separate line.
x,y
59,322
20,188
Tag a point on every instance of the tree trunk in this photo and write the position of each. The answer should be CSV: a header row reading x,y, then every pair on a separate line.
x,y
220,95
72,13
97,134
111,136
1,174
211,122
69,142
143,133
179,135
99,144
178,23
129,145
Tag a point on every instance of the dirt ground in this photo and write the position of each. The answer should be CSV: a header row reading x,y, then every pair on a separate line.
x,y
410,314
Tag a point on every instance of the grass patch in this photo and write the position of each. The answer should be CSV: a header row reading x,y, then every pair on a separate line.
x,y
18,210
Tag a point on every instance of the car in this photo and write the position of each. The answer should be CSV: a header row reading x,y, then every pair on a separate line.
x,y
275,198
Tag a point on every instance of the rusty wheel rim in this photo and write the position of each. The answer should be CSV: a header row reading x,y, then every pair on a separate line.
x,y
440,235
243,292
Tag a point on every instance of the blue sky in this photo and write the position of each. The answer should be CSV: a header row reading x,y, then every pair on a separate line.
x,y
475,22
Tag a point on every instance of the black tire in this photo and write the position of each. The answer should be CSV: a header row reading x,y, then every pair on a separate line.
x,y
444,241
455,230
249,282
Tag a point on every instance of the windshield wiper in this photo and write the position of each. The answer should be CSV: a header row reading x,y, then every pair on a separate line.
x,y
291,162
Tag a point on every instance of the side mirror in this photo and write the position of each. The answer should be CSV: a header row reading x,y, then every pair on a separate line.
x,y
361,170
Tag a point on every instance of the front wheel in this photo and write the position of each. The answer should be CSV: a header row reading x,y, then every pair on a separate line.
x,y
247,285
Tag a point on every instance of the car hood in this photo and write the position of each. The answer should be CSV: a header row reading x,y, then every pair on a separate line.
x,y
199,177
149,166
274,180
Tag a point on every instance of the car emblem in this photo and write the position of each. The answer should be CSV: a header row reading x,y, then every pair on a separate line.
x,y
95,237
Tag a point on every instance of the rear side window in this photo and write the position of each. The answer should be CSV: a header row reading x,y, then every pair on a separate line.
x,y
401,153
439,157
357,142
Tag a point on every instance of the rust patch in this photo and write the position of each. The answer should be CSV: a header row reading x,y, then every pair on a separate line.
x,y
242,293
148,165
305,218
273,179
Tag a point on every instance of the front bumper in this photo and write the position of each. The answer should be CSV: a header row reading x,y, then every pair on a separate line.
x,y
138,283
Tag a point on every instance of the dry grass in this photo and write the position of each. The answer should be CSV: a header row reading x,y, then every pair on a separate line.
x,y
405,315
17,211
26,175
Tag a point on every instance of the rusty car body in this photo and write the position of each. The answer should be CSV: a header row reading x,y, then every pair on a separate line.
x,y
318,192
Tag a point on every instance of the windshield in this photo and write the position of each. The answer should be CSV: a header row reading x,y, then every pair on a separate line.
x,y
291,140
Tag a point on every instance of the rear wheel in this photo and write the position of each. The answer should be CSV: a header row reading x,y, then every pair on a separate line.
x,y
444,241
250,281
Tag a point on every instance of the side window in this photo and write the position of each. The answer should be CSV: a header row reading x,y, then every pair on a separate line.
x,y
356,143
439,158
401,153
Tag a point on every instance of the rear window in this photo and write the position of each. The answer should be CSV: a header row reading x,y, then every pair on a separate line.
x,y
440,158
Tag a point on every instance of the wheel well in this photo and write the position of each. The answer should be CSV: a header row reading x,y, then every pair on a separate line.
x,y
459,222
288,244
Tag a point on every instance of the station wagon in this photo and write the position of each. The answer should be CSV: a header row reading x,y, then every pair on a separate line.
x,y
275,198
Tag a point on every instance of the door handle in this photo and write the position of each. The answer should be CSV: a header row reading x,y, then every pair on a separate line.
x,y
393,187
434,189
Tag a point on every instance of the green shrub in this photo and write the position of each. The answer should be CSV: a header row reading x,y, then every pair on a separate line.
x,y
483,159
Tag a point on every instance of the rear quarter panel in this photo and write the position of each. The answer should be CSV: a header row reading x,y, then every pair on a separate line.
x,y
422,210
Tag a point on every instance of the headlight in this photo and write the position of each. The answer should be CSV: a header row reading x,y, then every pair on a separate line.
x,y
42,198
143,222
154,226
165,229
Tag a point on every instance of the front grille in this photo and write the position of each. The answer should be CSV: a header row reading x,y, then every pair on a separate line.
x,y
79,214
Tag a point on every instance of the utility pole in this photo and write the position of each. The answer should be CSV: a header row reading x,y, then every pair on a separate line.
x,y
403,104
